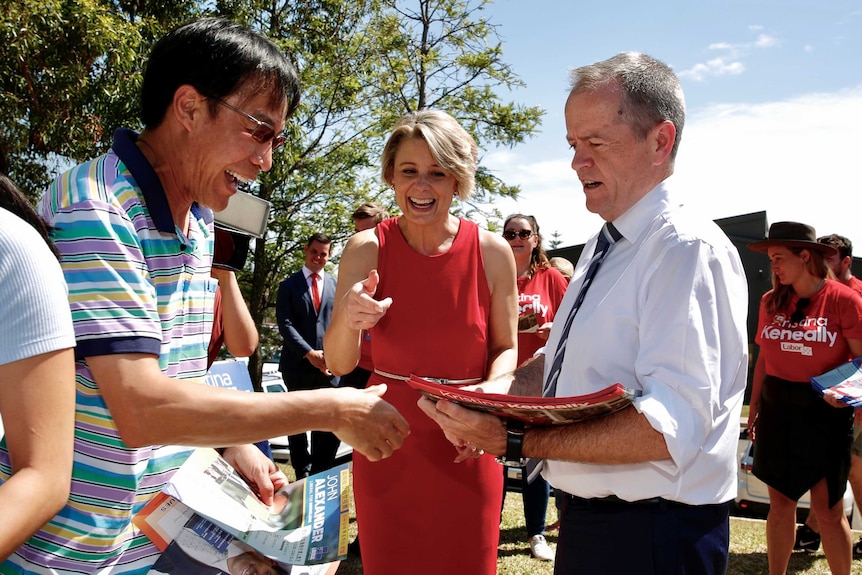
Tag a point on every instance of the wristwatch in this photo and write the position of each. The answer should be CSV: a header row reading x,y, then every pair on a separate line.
x,y
514,445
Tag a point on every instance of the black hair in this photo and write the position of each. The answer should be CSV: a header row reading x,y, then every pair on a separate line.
x,y
318,237
218,58
13,200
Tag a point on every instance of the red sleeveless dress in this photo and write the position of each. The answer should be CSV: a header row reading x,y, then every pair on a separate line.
x,y
418,512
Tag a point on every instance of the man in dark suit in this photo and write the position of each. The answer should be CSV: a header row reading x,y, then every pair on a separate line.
x,y
303,310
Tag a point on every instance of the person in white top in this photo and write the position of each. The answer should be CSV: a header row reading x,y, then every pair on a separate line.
x,y
37,373
664,315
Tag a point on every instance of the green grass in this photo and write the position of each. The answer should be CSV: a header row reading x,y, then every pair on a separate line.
x,y
747,546
514,556
748,552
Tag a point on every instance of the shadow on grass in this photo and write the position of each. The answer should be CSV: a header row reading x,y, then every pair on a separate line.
x,y
513,543
350,566
756,562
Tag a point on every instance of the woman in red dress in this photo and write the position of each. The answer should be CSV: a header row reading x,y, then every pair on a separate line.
x,y
438,295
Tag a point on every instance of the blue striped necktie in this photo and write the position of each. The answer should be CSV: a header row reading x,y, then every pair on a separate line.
x,y
608,236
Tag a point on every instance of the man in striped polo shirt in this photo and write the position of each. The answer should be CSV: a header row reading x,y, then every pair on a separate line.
x,y
134,228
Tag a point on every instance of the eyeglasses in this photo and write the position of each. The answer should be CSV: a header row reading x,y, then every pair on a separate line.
x,y
523,234
263,133
798,314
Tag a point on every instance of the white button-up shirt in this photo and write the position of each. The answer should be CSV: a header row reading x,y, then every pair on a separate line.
x,y
666,314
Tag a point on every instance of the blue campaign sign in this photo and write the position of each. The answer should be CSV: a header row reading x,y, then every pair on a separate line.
x,y
229,374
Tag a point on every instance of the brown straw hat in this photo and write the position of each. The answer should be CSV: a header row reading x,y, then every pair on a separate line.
x,y
794,235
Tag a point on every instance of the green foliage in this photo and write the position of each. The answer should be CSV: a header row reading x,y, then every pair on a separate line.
x,y
61,65
363,65
70,74
446,54
326,167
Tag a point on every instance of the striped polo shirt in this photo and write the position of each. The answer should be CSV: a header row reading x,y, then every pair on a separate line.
x,y
137,284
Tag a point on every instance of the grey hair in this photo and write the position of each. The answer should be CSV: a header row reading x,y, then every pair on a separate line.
x,y
651,92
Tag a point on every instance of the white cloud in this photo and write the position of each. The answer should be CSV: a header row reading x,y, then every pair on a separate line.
x,y
796,159
550,190
765,41
730,62
714,67
721,46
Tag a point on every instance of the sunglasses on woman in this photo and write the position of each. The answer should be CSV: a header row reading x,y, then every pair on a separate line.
x,y
263,133
512,234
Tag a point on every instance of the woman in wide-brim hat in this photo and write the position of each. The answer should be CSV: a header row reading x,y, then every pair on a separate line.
x,y
807,325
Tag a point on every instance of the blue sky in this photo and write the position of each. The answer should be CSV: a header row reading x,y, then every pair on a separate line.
x,y
773,93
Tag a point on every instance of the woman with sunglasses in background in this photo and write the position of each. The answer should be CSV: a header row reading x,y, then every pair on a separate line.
x,y
540,290
808,324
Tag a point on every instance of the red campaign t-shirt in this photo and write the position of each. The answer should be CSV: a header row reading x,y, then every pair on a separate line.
x,y
855,284
540,294
816,344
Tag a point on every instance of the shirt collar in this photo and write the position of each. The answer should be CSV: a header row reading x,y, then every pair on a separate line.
x,y
151,187
308,272
633,223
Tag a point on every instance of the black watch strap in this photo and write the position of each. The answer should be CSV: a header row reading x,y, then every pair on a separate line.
x,y
514,445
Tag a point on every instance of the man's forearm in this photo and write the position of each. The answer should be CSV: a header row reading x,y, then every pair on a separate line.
x,y
619,438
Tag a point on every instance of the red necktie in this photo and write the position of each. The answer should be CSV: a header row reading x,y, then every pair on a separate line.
x,y
315,293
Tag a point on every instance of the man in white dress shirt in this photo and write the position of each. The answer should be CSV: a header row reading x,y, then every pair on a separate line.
x,y
647,489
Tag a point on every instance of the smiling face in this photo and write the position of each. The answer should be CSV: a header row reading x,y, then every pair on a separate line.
x,y
316,255
616,169
423,190
222,153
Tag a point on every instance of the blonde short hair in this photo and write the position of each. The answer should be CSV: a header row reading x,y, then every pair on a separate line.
x,y
370,210
563,266
453,148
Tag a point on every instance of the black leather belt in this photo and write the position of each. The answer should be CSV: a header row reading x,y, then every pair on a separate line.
x,y
614,502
